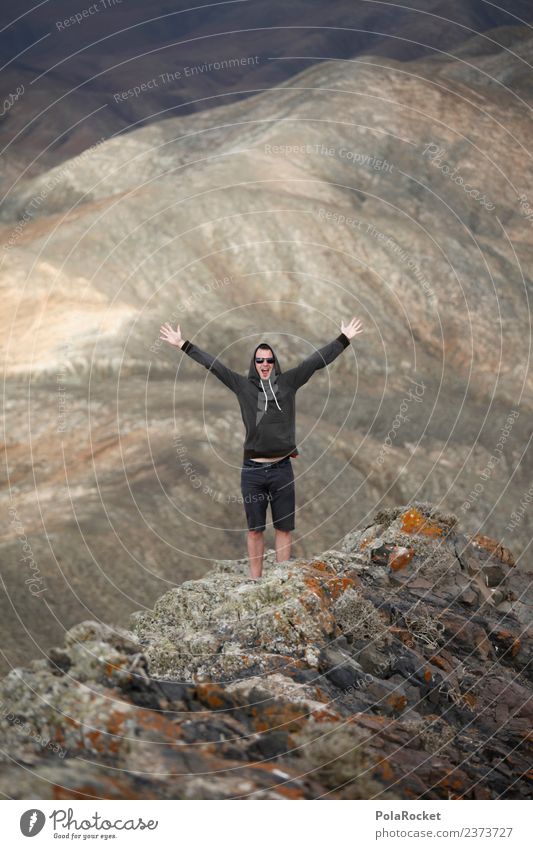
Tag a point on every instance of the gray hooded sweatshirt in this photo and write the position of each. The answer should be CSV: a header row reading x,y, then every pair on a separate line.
x,y
268,408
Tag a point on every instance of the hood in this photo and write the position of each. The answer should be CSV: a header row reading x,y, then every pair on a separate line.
x,y
252,373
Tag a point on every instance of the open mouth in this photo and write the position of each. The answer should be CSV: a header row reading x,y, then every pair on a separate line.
x,y
264,372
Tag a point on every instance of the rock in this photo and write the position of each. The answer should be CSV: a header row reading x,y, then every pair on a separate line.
x,y
491,548
494,575
380,553
387,698
268,746
224,628
317,680
343,672
400,557
469,597
374,661
357,616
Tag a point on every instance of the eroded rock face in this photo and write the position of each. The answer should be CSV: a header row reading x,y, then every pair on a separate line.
x,y
343,675
222,628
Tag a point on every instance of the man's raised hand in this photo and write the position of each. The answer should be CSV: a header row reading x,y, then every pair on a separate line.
x,y
173,337
351,329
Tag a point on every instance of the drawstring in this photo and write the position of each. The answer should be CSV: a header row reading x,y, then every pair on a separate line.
x,y
266,396
274,394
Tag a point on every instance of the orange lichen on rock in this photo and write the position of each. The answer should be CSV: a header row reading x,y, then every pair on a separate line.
x,y
509,640
413,522
315,585
400,557
96,739
397,702
320,566
289,717
494,547
108,740
58,736
116,720
452,782
292,793
439,661
338,586
405,636
325,587
371,721
320,695
111,668
212,696
385,770
326,716
115,789
158,726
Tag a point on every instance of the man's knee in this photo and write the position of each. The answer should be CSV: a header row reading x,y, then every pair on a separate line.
x,y
255,533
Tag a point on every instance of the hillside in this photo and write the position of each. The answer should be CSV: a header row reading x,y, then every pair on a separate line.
x,y
131,64
279,216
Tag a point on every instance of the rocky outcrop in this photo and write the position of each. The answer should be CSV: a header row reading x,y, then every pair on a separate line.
x,y
395,666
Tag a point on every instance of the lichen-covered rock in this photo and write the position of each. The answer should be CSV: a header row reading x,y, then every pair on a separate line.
x,y
419,542
337,754
344,676
358,618
224,628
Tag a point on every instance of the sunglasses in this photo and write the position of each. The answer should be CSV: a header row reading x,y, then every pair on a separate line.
x,y
264,359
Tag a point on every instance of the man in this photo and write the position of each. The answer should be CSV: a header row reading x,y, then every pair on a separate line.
x,y
266,396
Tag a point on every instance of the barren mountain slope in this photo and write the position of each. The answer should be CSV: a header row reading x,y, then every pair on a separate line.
x,y
277,216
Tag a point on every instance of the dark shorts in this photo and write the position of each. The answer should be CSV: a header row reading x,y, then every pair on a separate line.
x,y
268,483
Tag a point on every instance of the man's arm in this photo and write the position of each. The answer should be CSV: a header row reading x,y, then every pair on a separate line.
x,y
299,375
229,378
317,360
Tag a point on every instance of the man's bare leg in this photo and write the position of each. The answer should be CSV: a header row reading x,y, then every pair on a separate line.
x,y
283,545
256,549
